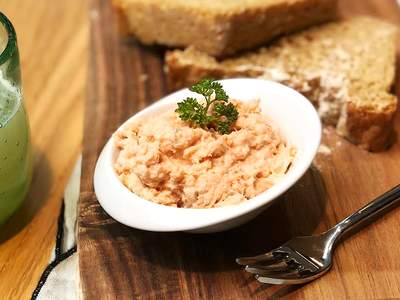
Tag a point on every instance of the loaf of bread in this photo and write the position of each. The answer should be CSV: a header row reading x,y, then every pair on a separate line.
x,y
221,27
345,68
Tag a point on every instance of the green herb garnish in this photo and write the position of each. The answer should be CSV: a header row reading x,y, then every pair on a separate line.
x,y
219,116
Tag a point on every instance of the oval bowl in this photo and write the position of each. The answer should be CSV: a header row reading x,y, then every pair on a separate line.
x,y
291,113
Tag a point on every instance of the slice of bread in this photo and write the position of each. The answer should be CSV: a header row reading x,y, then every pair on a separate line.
x,y
221,27
345,68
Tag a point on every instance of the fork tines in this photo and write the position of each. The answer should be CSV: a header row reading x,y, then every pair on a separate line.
x,y
279,266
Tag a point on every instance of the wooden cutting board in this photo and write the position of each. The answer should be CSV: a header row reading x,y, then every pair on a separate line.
x,y
117,262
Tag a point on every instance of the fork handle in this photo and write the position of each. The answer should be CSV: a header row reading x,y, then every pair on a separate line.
x,y
369,212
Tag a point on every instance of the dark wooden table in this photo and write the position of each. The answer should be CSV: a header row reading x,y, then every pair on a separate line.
x,y
117,262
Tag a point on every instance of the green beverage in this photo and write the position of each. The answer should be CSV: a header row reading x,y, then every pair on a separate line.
x,y
15,147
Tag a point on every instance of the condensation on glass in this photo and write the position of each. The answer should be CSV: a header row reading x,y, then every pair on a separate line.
x,y
15,145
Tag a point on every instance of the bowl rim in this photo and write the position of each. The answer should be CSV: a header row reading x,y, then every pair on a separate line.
x,y
208,216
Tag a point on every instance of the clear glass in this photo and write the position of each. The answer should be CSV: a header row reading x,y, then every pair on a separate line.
x,y
15,145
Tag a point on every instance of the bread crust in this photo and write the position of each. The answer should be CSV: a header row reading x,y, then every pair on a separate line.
x,y
220,32
179,74
371,130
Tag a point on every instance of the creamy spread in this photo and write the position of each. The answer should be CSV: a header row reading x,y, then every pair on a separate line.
x,y
166,161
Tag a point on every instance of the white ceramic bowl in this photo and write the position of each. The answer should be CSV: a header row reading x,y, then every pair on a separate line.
x,y
293,115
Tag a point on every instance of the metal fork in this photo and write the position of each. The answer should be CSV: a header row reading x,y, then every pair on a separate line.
x,y
306,258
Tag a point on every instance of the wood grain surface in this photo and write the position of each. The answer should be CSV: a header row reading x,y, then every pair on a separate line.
x,y
117,262
53,39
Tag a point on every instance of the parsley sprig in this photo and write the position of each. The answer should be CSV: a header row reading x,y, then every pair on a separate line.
x,y
219,116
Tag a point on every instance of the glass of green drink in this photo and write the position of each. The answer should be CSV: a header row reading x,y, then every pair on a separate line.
x,y
15,147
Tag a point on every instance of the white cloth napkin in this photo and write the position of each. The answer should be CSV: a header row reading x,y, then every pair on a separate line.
x,y
60,280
